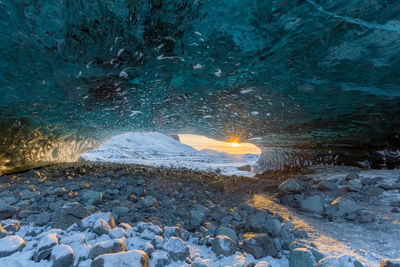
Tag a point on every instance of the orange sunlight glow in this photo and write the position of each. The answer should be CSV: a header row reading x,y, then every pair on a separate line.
x,y
200,142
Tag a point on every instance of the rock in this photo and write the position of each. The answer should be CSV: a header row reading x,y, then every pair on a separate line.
x,y
25,213
373,191
89,221
290,186
196,218
395,204
262,222
44,247
227,232
118,232
368,181
130,258
149,201
101,227
172,231
41,219
6,211
120,210
259,245
3,232
302,257
10,225
8,200
351,176
341,207
25,194
395,210
62,256
160,258
176,248
263,264
390,263
327,185
354,185
341,261
92,197
110,246
223,245
157,241
314,204
68,214
11,244
365,216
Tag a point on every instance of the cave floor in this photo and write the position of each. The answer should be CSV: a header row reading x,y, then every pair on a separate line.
x,y
178,190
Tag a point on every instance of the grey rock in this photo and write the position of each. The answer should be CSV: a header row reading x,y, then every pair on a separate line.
x,y
223,245
101,227
227,232
198,262
290,186
110,246
62,256
259,245
390,263
26,194
41,219
68,214
92,197
172,231
118,232
263,264
11,244
8,200
314,204
149,201
262,222
90,221
354,185
130,258
365,216
327,185
395,203
351,176
341,207
302,257
196,218
6,211
373,191
119,210
176,248
25,213
368,181
44,247
160,258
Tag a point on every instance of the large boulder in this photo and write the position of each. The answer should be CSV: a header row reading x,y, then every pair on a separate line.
x,y
11,244
44,247
62,256
176,248
130,258
227,232
69,214
6,211
223,245
90,221
341,207
262,222
259,245
314,204
290,186
110,246
302,257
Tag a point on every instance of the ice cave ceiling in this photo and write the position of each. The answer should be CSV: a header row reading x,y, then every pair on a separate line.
x,y
307,77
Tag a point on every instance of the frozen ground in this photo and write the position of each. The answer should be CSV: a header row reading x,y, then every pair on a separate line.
x,y
370,243
156,149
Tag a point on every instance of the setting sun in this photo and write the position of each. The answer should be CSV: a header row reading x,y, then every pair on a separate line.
x,y
233,146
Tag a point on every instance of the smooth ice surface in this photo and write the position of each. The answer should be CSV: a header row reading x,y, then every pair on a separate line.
x,y
157,149
317,80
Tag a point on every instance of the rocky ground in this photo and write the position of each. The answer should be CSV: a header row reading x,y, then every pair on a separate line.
x,y
88,214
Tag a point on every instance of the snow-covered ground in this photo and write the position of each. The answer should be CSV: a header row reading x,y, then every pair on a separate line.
x,y
369,242
157,149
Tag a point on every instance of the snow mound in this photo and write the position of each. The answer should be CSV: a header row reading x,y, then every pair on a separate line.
x,y
157,149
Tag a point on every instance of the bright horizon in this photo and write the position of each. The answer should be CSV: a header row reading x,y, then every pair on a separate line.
x,y
200,142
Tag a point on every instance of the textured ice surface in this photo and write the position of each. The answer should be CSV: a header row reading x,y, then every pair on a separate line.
x,y
304,76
